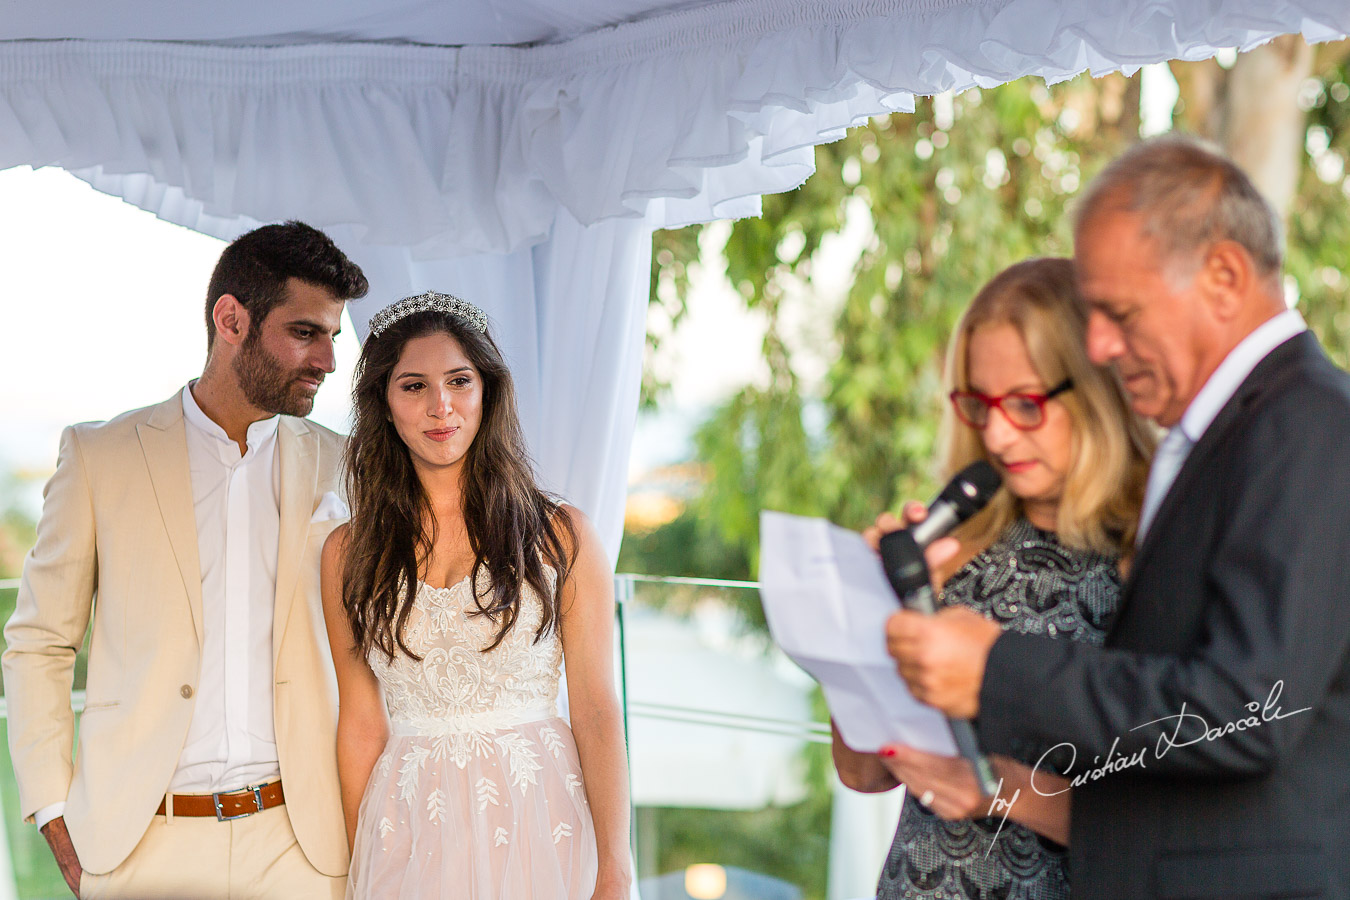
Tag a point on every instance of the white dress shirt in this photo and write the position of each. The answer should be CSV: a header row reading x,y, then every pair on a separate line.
x,y
1212,398
231,740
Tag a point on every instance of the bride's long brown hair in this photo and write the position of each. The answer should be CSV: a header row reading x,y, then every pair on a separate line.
x,y
514,528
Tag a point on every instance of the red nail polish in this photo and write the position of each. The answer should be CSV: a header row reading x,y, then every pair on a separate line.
x,y
888,752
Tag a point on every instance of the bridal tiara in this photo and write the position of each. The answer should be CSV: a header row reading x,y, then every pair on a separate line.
x,y
428,302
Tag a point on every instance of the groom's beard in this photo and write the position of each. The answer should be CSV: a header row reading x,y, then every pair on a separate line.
x,y
269,387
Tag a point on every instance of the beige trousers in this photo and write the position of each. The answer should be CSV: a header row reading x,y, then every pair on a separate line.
x,y
196,858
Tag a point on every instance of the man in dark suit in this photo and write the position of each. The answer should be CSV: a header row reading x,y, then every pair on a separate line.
x,y
1210,737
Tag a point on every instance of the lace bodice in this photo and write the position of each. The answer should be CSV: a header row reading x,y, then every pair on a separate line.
x,y
458,688
478,794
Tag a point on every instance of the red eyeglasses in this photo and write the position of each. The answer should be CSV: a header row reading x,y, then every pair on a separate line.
x,y
1024,411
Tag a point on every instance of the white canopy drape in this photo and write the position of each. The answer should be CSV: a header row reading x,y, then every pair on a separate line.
x,y
528,177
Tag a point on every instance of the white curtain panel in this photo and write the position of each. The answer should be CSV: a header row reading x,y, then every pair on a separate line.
x,y
569,314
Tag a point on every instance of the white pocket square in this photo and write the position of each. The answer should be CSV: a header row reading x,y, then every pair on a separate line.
x,y
331,506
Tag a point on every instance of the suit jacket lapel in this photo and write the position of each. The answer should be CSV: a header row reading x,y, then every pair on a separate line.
x,y
1218,434
163,440
297,449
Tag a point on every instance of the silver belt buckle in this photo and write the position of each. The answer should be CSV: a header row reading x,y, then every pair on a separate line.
x,y
257,800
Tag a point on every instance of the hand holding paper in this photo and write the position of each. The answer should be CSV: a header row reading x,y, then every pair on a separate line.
x,y
827,602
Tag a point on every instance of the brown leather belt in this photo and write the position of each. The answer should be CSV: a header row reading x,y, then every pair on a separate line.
x,y
228,805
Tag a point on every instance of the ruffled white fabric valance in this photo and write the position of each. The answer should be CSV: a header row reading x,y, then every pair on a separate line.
x,y
677,118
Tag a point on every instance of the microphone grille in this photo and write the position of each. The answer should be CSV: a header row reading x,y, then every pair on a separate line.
x,y
983,477
973,487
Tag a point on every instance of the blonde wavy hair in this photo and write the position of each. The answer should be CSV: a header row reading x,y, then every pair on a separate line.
x,y
1112,446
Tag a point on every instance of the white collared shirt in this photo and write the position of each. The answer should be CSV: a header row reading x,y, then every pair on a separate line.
x,y
1235,368
231,741
1205,407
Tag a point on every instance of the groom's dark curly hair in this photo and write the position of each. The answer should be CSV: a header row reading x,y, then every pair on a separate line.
x,y
255,267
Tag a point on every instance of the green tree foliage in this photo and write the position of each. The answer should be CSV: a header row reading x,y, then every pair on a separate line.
x,y
952,193
1319,217
680,548
17,528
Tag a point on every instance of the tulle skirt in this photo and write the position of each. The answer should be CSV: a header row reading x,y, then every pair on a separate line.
x,y
478,815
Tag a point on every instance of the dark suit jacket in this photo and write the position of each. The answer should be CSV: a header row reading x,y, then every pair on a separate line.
x,y
1237,612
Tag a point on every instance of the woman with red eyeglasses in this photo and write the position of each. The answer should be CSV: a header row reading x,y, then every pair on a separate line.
x,y
1043,557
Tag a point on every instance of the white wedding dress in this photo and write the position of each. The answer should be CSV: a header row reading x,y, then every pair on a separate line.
x,y
478,794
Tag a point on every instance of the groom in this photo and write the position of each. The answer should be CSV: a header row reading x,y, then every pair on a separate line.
x,y
190,532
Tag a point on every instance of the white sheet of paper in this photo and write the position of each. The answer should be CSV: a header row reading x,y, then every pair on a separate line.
x,y
826,599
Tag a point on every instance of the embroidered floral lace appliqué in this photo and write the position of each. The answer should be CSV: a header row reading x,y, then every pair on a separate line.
x,y
480,775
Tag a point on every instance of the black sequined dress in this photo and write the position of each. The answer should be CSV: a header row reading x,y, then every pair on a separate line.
x,y
1028,582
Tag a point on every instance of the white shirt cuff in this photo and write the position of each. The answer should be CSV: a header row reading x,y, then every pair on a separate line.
x,y
49,812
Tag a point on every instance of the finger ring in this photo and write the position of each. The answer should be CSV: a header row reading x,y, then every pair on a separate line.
x,y
926,798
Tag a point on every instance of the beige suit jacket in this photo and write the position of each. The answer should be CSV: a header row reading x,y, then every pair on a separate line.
x,y
118,542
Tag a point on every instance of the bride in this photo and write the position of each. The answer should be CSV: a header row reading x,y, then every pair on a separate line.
x,y
451,599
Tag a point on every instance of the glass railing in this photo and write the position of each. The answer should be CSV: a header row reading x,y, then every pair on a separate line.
x,y
734,795
728,760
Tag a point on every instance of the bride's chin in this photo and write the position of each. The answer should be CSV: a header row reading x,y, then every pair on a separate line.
x,y
437,460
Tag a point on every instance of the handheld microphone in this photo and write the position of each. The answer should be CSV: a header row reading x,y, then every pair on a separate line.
x,y
902,551
907,571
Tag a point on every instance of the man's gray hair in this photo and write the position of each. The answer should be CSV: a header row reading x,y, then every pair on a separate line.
x,y
1189,195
